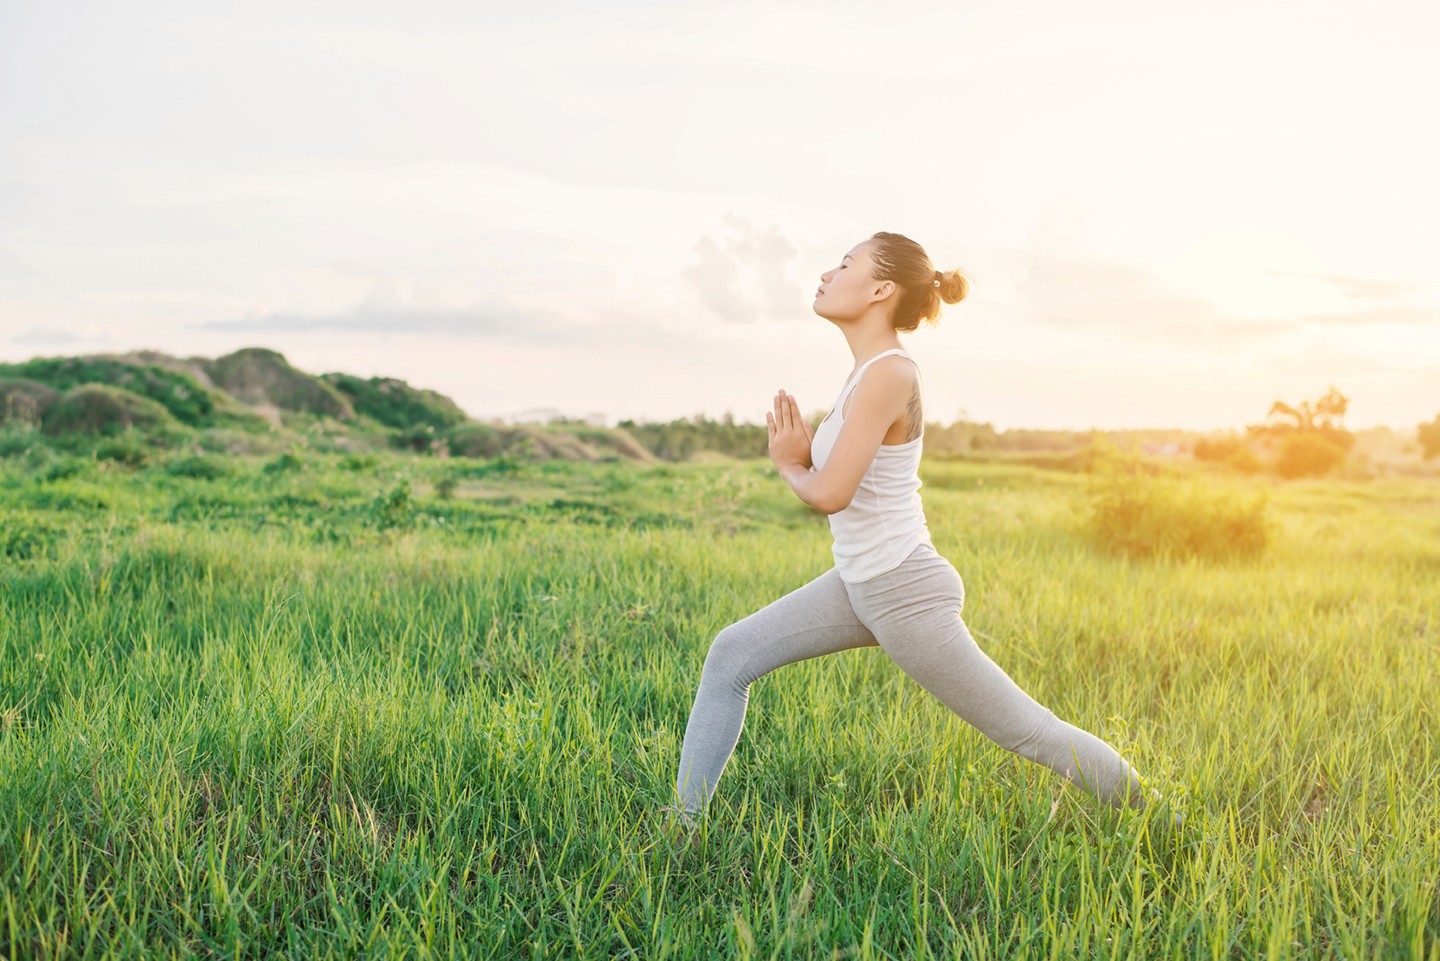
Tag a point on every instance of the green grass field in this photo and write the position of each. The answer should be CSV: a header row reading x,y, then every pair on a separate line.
x,y
403,707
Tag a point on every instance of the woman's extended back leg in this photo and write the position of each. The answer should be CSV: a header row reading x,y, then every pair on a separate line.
x,y
914,612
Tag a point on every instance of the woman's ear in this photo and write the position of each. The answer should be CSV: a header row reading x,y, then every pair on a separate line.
x,y
884,290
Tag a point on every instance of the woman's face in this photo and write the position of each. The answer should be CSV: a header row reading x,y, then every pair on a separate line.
x,y
847,289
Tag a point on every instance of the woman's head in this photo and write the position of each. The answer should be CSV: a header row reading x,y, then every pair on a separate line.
x,y
894,271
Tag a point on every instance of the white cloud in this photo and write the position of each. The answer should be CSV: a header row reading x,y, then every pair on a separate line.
x,y
746,278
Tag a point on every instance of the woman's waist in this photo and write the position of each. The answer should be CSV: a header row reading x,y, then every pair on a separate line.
x,y
865,531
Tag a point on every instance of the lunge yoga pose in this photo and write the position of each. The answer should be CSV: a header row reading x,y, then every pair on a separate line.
x,y
889,587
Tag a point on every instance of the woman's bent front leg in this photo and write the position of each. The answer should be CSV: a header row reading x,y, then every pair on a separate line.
x,y
810,621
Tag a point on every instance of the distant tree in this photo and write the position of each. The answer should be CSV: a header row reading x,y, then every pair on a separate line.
x,y
1312,437
1430,438
1308,454
1327,413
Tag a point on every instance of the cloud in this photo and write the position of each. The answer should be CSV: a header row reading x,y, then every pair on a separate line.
x,y
1376,315
1120,298
746,278
1356,287
493,321
471,322
41,336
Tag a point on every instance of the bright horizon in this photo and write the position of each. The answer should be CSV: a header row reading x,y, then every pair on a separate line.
x,y
1172,216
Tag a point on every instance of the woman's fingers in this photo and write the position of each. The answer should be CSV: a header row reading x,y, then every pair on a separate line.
x,y
787,414
800,421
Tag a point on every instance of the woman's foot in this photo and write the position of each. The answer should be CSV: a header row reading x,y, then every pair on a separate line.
x,y
677,823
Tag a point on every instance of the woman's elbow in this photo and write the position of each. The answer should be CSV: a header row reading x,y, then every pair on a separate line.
x,y
834,503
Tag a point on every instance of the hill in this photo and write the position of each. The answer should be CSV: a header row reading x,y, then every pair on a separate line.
x,y
253,400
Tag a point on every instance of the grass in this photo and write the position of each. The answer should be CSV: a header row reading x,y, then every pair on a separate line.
x,y
327,712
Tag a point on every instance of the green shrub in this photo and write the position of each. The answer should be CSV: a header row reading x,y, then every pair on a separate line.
x,y
24,402
127,450
421,437
61,468
286,463
104,410
358,462
18,441
198,466
503,466
395,403
23,539
181,395
1309,454
256,375
476,440
1131,512
392,508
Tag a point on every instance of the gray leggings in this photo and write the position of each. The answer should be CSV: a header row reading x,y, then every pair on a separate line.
x,y
913,614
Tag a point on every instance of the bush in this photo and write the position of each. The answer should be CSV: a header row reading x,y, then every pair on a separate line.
x,y
24,401
17,441
286,463
506,465
1429,436
392,508
24,539
1220,448
61,468
1309,454
104,410
127,450
180,394
1244,460
358,462
1130,512
198,466
477,440
395,403
257,375
421,437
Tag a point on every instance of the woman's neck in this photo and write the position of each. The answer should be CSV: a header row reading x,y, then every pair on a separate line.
x,y
866,342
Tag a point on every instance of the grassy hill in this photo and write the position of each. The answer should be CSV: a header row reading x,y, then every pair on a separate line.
x,y
252,401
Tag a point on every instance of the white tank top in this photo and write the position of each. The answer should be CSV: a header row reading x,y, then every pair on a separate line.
x,y
885,521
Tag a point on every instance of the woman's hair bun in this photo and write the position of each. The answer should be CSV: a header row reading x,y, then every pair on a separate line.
x,y
954,286
922,287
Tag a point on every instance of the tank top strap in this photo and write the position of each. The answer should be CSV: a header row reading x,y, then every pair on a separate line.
x,y
855,377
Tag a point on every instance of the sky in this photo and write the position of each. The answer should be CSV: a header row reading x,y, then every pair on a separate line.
x,y
1172,214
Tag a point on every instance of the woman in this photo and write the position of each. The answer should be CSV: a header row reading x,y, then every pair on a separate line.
x,y
889,587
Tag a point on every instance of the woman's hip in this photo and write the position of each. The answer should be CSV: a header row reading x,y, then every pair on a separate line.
x,y
923,583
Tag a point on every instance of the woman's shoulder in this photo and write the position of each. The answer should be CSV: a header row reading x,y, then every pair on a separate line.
x,y
897,367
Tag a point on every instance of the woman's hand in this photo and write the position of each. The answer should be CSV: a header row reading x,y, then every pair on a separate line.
x,y
790,435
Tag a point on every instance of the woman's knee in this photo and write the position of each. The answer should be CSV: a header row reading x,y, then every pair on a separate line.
x,y
727,655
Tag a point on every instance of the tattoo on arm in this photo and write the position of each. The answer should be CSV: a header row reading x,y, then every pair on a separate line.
x,y
914,415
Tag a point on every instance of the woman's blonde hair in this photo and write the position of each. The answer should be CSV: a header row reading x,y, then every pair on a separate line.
x,y
902,260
